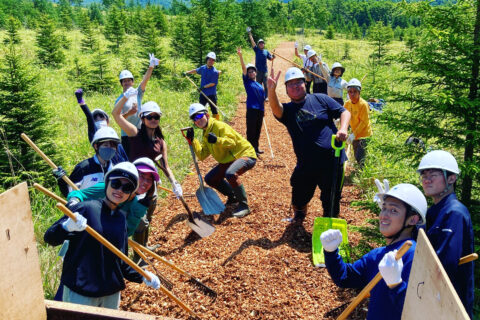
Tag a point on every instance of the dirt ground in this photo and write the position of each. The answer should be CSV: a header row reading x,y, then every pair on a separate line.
x,y
259,265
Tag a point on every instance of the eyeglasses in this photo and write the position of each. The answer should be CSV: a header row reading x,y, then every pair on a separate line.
x,y
124,187
150,117
295,84
197,116
429,177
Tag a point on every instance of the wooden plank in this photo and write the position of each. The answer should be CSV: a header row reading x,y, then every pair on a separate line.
x,y
62,310
21,282
430,294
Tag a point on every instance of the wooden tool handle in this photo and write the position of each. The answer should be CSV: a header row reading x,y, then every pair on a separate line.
x,y
467,259
366,291
300,67
49,193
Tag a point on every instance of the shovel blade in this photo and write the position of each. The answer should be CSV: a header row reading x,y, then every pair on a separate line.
x,y
209,200
201,227
323,224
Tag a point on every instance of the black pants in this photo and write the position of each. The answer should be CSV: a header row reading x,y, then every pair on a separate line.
x,y
254,126
125,144
320,87
204,101
308,84
339,100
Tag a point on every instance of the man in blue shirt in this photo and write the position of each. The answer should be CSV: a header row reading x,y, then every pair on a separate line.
x,y
449,225
261,56
208,82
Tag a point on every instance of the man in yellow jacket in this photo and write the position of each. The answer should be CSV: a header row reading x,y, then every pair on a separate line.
x,y
235,156
359,122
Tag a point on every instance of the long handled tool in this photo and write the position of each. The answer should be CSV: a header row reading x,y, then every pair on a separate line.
x,y
195,222
322,224
127,260
300,67
268,137
206,97
206,289
208,199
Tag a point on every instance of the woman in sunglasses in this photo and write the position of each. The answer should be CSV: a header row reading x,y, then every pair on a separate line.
x,y
91,274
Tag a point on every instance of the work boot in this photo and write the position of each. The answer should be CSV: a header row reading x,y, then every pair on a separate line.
x,y
226,189
216,116
242,209
258,151
299,214
151,248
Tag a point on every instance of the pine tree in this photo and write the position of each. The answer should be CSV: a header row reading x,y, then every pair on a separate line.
x,y
23,111
149,42
65,13
95,14
90,40
380,36
12,31
99,77
330,32
115,29
49,45
199,38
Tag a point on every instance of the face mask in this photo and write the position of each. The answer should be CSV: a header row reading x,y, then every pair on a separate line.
x,y
101,123
106,153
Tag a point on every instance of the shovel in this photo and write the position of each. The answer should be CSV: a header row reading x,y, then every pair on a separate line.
x,y
195,222
208,199
322,224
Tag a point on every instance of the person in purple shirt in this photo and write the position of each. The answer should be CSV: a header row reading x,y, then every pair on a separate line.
x,y
261,56
209,82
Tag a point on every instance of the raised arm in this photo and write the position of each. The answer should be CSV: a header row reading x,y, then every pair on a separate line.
x,y
126,126
296,50
276,106
153,62
251,39
244,69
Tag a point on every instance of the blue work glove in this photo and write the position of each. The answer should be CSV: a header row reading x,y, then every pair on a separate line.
x,y
79,95
212,138
59,173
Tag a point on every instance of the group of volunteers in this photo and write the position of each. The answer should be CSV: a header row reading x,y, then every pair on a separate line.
x,y
116,188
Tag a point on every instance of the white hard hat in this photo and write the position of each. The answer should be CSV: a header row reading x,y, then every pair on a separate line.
x,y
105,134
354,82
146,165
294,73
212,55
99,111
311,53
307,47
250,66
196,108
125,170
125,74
261,40
439,159
338,65
150,107
411,195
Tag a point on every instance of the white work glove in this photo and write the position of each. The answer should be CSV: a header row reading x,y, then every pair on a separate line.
x,y
154,283
296,44
79,225
381,189
331,239
249,29
131,92
177,189
391,269
350,138
153,61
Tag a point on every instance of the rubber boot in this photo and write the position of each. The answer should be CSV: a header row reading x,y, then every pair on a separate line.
x,y
299,214
242,209
226,189
216,116
151,248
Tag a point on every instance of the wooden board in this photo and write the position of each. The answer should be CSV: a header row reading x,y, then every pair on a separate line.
x,y
20,280
430,294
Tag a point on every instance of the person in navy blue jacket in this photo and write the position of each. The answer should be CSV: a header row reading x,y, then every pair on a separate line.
x,y
91,274
449,225
261,56
403,207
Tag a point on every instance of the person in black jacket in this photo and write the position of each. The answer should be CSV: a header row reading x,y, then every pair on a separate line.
x,y
91,274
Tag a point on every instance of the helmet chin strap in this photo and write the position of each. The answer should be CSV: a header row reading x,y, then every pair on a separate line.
x,y
447,185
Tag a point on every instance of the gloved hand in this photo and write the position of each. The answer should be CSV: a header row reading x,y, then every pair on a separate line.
x,y
79,95
79,225
190,135
391,269
59,173
331,239
350,138
177,190
154,283
381,189
296,44
130,93
249,29
72,202
212,138
153,61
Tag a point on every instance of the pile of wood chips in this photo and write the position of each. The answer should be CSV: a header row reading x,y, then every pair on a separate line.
x,y
259,265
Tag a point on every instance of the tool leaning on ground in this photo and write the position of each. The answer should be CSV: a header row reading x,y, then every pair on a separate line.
x,y
194,221
300,67
203,94
322,224
207,197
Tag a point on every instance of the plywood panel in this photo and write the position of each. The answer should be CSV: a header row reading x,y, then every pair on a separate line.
x,y
430,294
20,281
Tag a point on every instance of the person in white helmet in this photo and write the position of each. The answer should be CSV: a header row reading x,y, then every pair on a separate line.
x,y
359,122
92,170
319,84
402,209
335,83
92,275
235,156
449,225
261,56
132,107
209,82
309,121
306,64
255,102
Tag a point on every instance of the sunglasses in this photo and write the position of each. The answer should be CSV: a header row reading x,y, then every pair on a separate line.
x,y
125,187
197,116
150,117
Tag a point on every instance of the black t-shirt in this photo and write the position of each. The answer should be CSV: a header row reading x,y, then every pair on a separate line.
x,y
310,125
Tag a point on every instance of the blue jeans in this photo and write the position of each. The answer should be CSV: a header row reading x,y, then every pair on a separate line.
x,y
230,171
